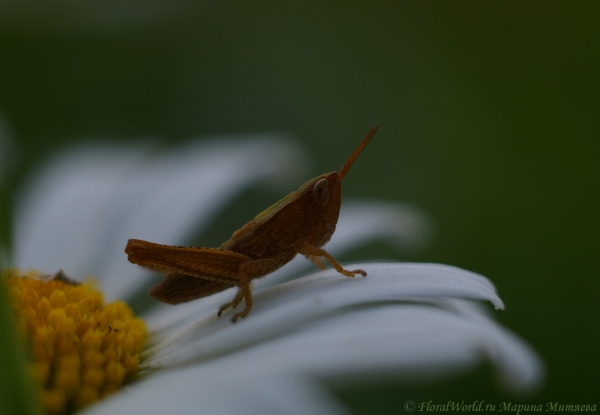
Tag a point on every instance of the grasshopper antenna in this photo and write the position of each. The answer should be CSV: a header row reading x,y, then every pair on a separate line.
x,y
357,152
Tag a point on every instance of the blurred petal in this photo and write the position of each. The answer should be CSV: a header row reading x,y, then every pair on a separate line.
x,y
61,213
359,223
283,308
520,367
81,209
363,220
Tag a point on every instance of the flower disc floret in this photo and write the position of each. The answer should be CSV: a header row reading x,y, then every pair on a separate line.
x,y
80,348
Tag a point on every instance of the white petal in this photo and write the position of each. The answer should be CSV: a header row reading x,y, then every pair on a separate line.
x,y
406,341
359,223
163,318
282,308
212,391
83,207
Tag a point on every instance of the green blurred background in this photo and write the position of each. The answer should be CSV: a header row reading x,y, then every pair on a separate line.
x,y
489,116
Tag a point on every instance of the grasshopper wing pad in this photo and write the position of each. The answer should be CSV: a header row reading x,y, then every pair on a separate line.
x,y
282,231
179,288
268,233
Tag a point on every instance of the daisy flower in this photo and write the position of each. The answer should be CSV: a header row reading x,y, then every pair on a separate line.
x,y
413,321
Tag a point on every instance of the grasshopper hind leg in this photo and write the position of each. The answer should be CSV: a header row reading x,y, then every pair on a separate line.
x,y
247,294
233,304
254,269
244,293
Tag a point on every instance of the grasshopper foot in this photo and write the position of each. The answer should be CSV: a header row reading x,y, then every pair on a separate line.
x,y
233,304
353,273
313,253
223,308
243,314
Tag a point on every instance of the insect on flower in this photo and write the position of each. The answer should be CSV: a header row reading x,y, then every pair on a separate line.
x,y
300,223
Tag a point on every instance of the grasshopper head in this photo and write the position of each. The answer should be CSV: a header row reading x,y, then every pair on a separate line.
x,y
320,199
310,213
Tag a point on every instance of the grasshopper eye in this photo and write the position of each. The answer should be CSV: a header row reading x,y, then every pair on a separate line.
x,y
320,192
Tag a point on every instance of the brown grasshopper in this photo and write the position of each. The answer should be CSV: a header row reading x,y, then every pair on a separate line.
x,y
300,223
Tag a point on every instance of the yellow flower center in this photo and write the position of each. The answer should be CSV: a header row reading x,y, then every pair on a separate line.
x,y
81,349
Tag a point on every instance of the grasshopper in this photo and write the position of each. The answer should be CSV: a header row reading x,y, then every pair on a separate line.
x,y
300,223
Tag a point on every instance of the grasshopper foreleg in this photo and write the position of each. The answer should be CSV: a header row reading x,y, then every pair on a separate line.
x,y
311,252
